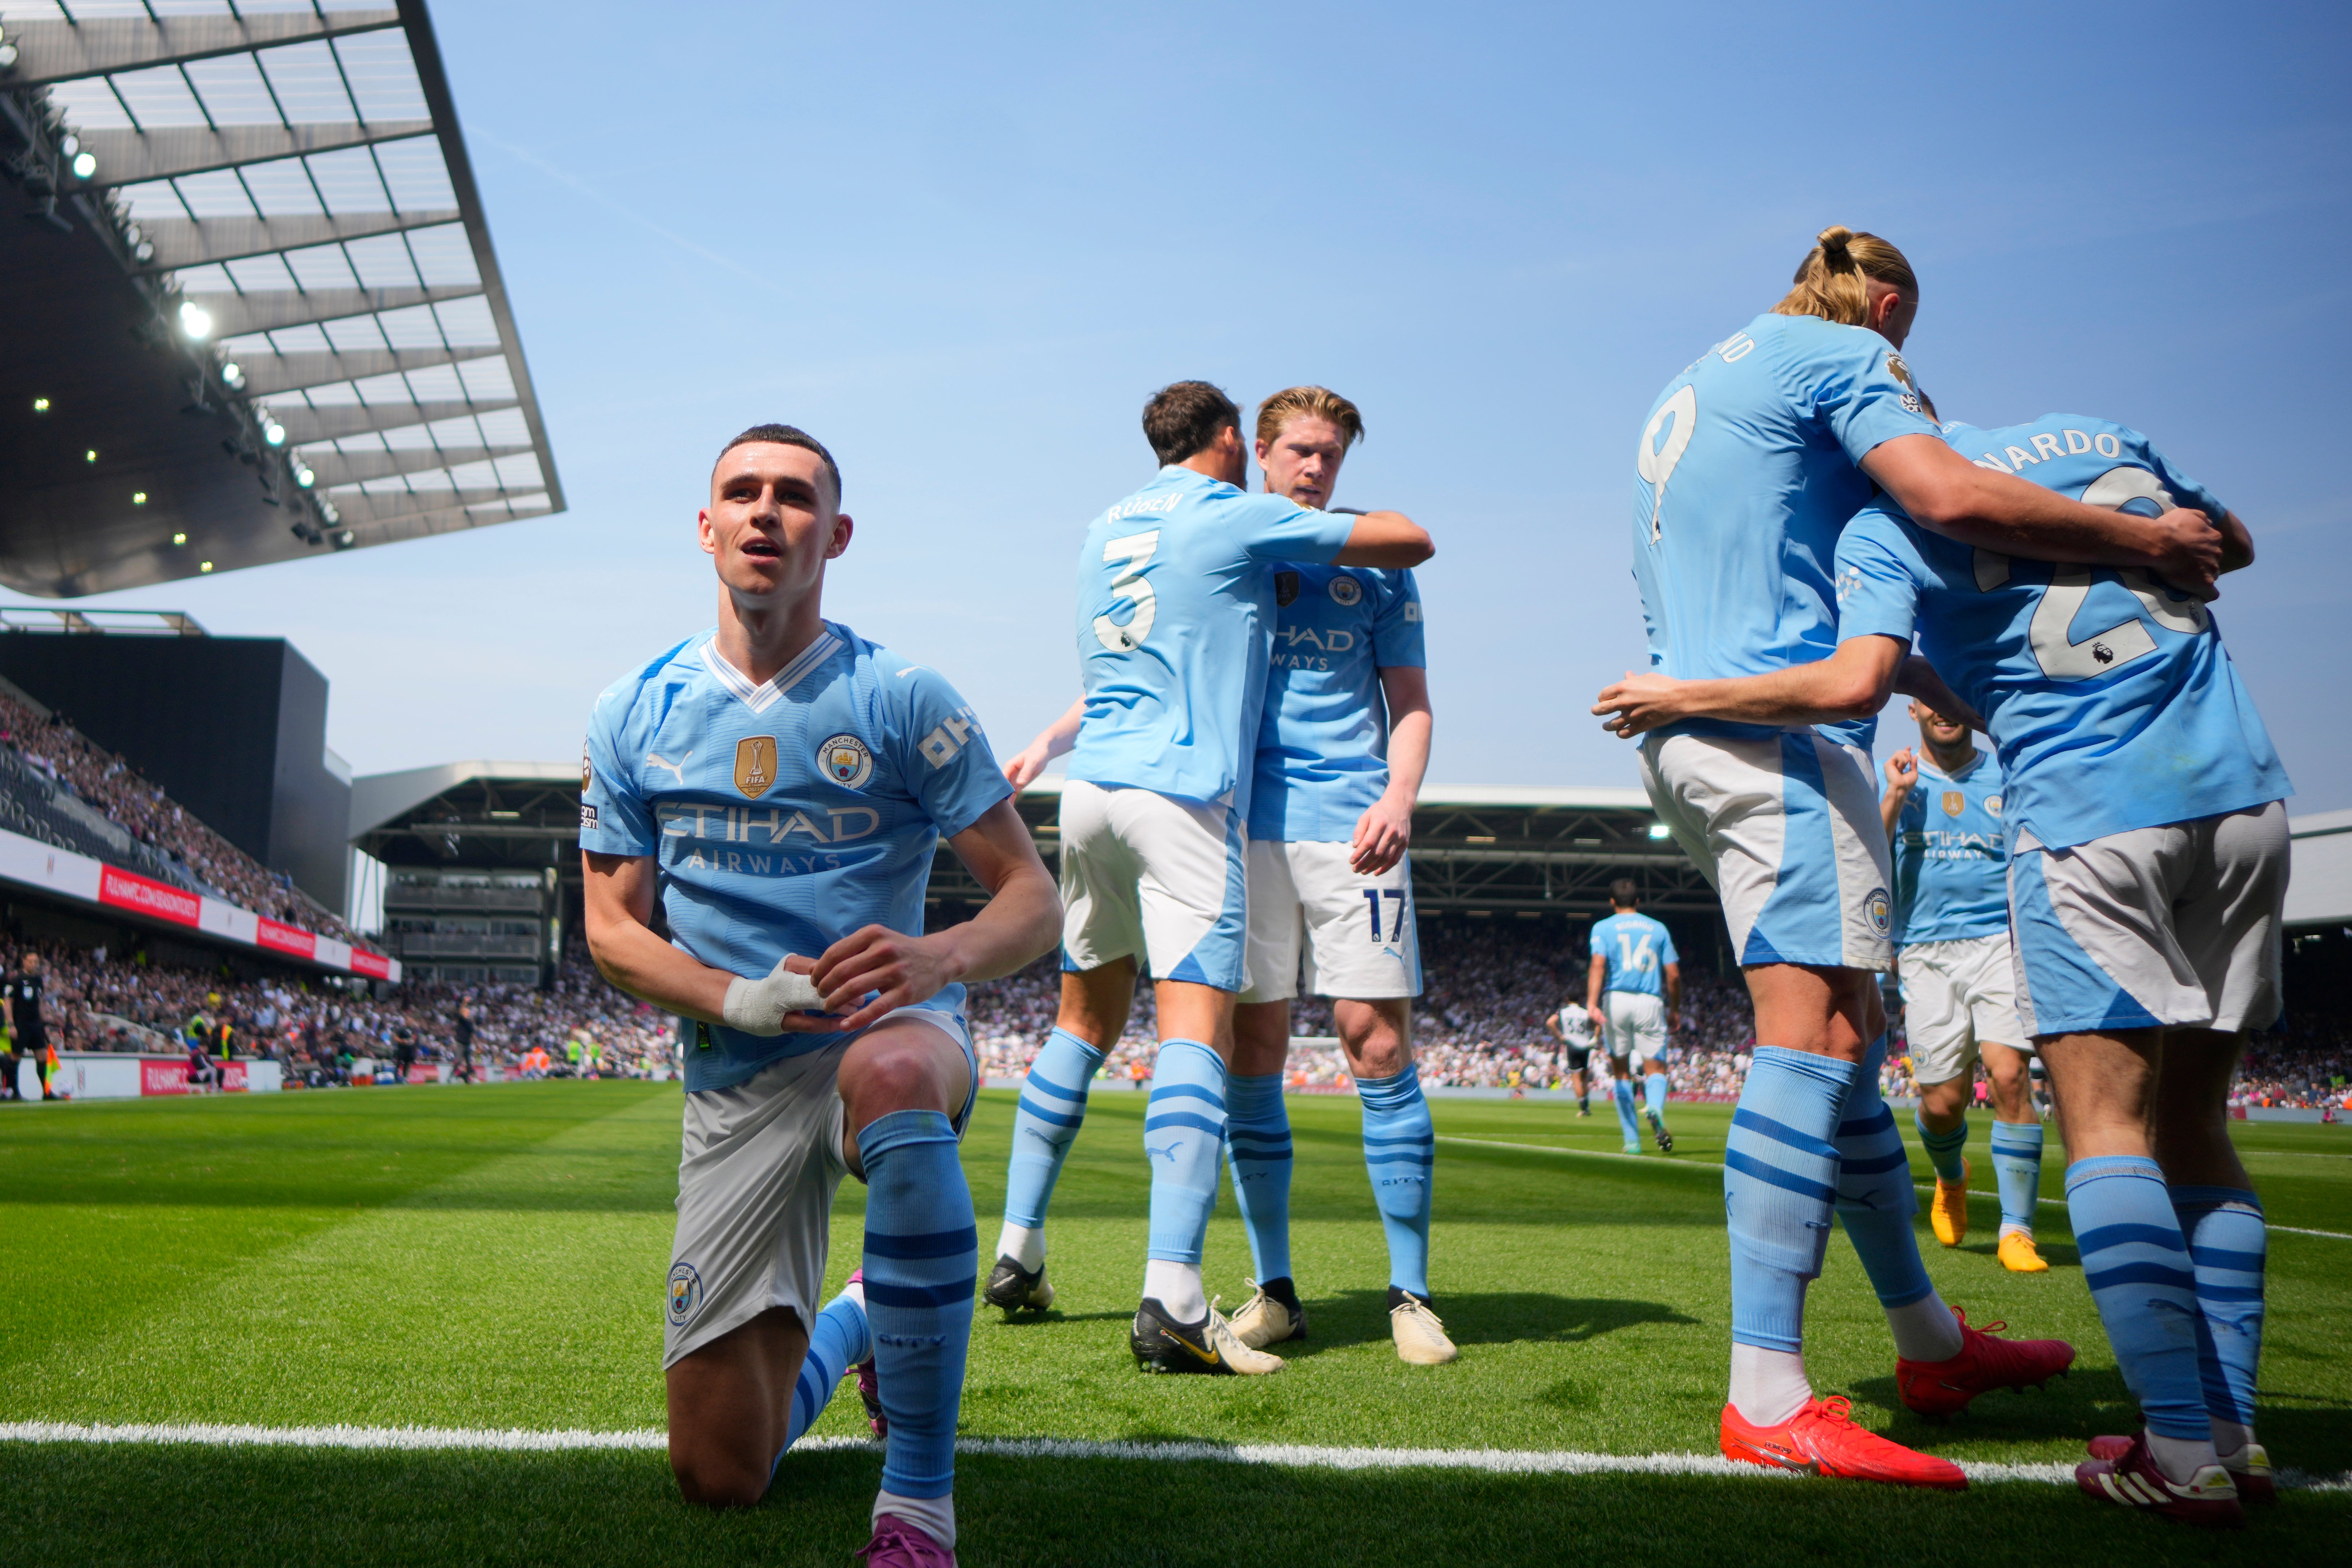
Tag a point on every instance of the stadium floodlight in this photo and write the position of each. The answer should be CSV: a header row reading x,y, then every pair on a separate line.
x,y
138,498
303,474
133,235
144,251
233,376
196,320
345,540
203,565
1657,830
327,510
84,165
7,54
272,432
70,145
89,455
179,539
40,406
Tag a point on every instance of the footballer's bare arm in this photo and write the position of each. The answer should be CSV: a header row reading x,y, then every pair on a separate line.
x,y
619,918
1055,740
1020,923
1387,538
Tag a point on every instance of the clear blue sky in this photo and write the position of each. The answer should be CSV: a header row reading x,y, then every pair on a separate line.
x,y
963,246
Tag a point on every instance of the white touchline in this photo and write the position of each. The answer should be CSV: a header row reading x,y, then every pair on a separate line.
x,y
1714,1166
1493,1461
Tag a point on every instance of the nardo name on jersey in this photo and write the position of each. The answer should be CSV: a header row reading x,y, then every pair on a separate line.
x,y
1323,742
2111,699
1175,609
784,815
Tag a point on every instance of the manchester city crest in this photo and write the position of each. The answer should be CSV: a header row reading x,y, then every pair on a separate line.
x,y
846,760
1346,590
685,1291
1992,806
1880,913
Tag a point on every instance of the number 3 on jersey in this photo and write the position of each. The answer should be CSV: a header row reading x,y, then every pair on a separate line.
x,y
1135,550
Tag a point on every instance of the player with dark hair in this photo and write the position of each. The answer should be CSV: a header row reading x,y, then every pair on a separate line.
x,y
1632,991
783,784
1175,611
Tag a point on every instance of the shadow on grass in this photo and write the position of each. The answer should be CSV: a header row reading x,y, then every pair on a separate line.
x,y
1483,1318
73,1504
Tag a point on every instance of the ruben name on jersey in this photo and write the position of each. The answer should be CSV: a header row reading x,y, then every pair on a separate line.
x,y
784,815
1951,855
2111,699
1763,436
1323,741
1175,609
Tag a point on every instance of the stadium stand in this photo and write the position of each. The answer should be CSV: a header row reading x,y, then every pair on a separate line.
x,y
59,787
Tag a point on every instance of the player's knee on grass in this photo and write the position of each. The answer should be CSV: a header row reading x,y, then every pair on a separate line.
x,y
713,1477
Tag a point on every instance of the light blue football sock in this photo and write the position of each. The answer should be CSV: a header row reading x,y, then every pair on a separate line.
x,y
1627,1122
1875,1198
2137,1264
922,1263
2229,1245
1779,1178
1046,1123
1183,1132
1400,1155
1943,1148
1257,1147
2017,1165
1654,1089
839,1340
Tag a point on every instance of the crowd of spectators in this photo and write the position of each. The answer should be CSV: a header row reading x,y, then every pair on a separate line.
x,y
112,787
324,1034
1479,1024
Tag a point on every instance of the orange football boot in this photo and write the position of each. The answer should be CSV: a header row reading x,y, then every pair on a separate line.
x,y
1822,1440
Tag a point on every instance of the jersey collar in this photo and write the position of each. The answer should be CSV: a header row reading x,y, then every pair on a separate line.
x,y
758,697
1975,761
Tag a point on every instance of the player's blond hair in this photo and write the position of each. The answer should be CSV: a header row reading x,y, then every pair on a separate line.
x,y
1309,402
1829,281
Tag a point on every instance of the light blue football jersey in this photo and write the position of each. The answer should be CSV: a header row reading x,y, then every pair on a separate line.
x,y
1175,607
1638,949
783,816
1745,473
1951,854
2111,699
1323,743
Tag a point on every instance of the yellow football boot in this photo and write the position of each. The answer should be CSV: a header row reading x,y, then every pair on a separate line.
x,y
1949,1213
2017,1254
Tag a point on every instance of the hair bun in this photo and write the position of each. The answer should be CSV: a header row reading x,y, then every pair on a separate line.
x,y
1833,238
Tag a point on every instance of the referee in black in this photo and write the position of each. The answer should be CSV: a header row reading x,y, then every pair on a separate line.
x,y
20,1002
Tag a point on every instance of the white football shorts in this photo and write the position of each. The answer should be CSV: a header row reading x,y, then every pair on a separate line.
x,y
1145,876
1958,995
1354,933
2173,927
1786,829
1637,1025
761,1161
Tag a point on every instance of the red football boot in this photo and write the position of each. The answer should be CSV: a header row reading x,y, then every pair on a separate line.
x,y
1984,1364
1821,1439
2210,1496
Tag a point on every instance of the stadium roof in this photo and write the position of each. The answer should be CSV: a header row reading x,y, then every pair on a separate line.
x,y
1520,850
272,196
2319,891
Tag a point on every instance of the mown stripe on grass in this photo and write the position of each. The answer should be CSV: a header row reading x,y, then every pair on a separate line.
x,y
1716,1165
1494,1461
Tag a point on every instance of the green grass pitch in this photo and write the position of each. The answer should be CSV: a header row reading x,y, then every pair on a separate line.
x,y
495,1257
